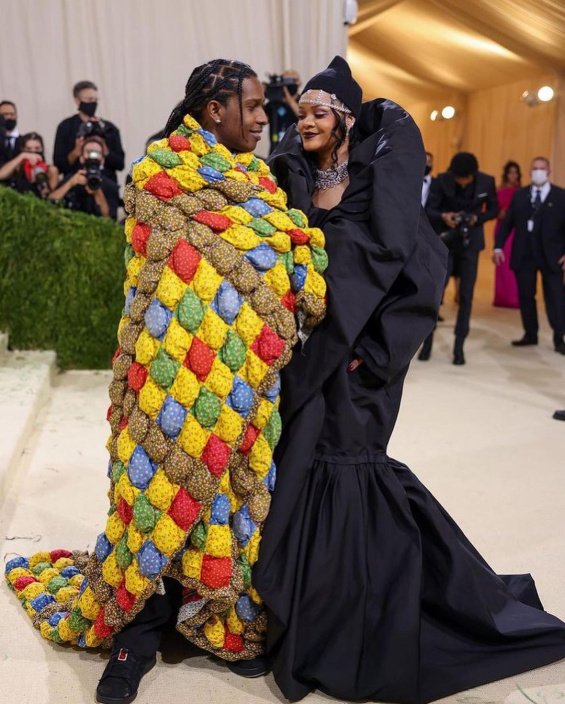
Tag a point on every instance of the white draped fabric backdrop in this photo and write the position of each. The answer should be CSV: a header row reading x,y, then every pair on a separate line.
x,y
141,52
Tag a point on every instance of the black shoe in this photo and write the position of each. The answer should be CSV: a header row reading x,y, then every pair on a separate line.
x,y
121,678
257,667
458,357
559,415
440,319
425,353
559,345
526,341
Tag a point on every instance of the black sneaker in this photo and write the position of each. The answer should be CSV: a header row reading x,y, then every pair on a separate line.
x,y
526,341
257,667
121,677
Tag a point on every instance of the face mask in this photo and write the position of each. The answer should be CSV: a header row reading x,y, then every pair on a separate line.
x,y
88,108
539,177
427,170
10,124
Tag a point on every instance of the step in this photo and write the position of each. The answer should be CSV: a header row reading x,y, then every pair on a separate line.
x,y
25,386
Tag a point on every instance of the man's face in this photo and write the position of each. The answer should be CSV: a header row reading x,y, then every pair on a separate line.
x,y
541,165
464,181
235,134
88,95
9,112
92,150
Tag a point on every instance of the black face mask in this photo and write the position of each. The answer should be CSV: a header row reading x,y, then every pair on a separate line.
x,y
10,124
88,108
427,170
293,88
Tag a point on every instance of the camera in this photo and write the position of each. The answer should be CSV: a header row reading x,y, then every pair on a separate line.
x,y
274,92
92,128
35,173
93,166
464,224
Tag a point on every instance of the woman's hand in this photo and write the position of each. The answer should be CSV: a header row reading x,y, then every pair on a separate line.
x,y
354,364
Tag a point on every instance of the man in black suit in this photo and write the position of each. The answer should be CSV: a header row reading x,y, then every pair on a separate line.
x,y
10,139
72,132
459,202
537,214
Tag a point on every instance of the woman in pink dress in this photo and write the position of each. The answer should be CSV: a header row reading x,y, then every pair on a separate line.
x,y
505,287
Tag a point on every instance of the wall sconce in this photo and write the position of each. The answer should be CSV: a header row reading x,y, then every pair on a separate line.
x,y
536,97
446,113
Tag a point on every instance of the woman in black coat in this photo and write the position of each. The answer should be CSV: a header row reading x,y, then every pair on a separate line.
x,y
372,590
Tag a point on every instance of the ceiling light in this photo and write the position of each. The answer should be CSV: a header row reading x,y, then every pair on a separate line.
x,y
545,94
434,115
448,112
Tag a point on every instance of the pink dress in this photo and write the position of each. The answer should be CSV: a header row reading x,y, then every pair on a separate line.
x,y
505,287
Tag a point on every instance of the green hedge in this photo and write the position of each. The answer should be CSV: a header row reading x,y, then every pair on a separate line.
x,y
61,280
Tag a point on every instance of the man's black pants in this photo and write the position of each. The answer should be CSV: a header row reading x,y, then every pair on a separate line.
x,y
553,294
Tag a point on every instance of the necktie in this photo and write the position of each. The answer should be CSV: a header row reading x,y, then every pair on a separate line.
x,y
537,199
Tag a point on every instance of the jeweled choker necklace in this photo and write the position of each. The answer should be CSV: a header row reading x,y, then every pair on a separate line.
x,y
329,178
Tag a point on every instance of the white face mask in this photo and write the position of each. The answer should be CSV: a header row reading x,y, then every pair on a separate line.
x,y
539,176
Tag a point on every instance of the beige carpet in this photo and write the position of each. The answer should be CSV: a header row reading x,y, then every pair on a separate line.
x,y
481,437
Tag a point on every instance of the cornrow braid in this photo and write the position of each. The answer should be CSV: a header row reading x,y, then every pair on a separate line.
x,y
219,80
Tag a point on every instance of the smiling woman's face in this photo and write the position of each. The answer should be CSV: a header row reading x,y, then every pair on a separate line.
x,y
315,126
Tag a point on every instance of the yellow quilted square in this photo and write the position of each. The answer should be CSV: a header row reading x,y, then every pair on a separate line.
x,y
177,340
47,575
220,379
187,177
193,437
278,280
241,236
161,491
260,457
263,414
63,562
135,581
91,639
252,548
158,144
218,541
317,238
88,604
255,369
280,242
214,632
236,175
185,388
32,590
167,536
248,324
128,227
144,169
189,159
151,398
213,330
126,489
280,220
135,539
237,214
276,199
126,445
192,563
224,487
206,281
198,145
146,347
65,595
65,632
315,283
170,289
234,624
229,425
302,254
114,528
38,557
111,572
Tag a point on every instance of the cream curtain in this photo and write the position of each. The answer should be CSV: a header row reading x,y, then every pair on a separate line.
x,y
141,52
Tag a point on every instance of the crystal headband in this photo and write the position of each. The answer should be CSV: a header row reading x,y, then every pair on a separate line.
x,y
334,104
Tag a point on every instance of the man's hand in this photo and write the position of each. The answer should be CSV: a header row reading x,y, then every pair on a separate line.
x,y
75,153
473,220
449,219
353,365
79,179
498,257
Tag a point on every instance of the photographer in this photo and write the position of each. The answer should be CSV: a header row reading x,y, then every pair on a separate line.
x,y
72,132
28,172
460,201
282,106
10,140
89,189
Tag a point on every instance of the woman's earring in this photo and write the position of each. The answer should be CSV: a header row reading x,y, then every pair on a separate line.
x,y
218,122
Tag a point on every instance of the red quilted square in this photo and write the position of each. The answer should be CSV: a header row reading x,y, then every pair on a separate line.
x,y
185,509
57,554
125,511
216,571
117,353
200,358
215,221
162,186
178,143
233,642
298,236
184,261
23,581
139,238
216,455
289,301
268,345
124,423
268,184
109,412
124,598
137,375
101,628
251,434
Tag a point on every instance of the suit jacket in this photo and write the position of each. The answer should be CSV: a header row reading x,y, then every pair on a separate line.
x,y
7,153
442,199
547,240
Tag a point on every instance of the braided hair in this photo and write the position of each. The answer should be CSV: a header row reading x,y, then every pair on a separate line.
x,y
219,80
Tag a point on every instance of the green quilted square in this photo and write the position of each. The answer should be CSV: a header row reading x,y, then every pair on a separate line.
x,y
232,354
164,369
207,408
190,311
